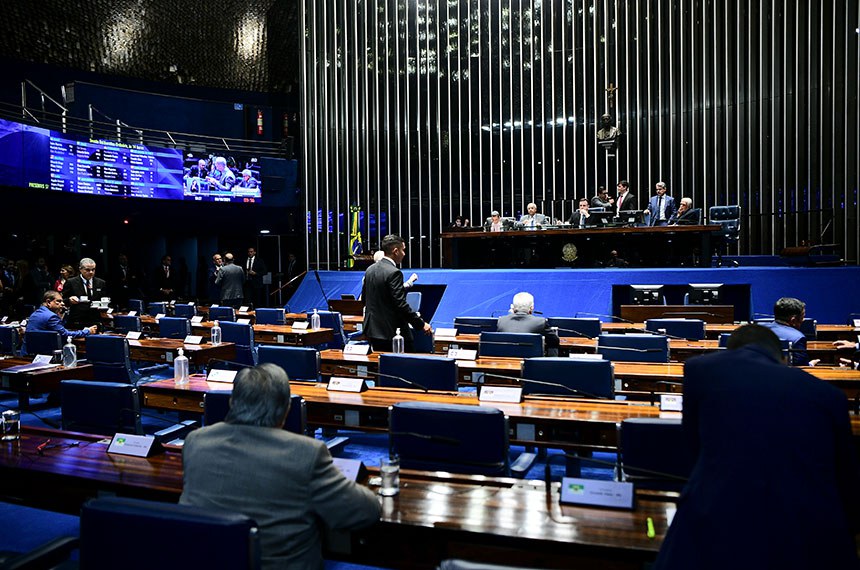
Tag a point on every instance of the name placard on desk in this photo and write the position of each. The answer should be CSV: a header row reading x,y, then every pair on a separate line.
x,y
352,469
243,321
196,320
356,349
338,384
160,316
505,394
671,403
462,353
597,493
133,335
134,445
300,325
446,333
225,376
243,309
132,313
193,339
109,311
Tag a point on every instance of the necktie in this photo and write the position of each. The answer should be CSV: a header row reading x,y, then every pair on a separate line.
x,y
581,220
660,208
250,263
89,288
620,199
166,271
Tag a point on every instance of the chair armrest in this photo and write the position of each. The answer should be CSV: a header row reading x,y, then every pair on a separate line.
x,y
522,464
45,556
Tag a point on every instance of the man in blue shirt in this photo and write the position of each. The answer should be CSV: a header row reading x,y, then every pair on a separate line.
x,y
48,318
788,315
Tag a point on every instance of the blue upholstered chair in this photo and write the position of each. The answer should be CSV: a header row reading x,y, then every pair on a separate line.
x,y
243,337
515,345
690,329
174,327
634,347
729,220
157,308
217,404
264,316
299,363
413,299
475,325
125,323
653,453
184,310
431,372
332,320
724,339
109,356
222,314
100,407
9,340
42,342
589,378
453,437
136,305
211,538
575,327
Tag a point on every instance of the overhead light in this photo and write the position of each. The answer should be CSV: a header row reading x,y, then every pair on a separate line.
x,y
264,231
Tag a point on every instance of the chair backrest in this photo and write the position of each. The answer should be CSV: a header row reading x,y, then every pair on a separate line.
x,y
450,437
9,340
126,323
516,345
299,363
723,213
654,453
243,337
184,310
809,327
217,404
109,356
431,372
576,327
475,325
724,339
100,407
696,216
691,329
157,308
222,314
591,377
42,342
265,316
136,305
174,327
211,538
332,320
634,347
413,299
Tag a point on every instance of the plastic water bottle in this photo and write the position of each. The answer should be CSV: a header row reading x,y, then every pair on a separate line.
x,y
315,320
180,368
70,354
216,333
398,345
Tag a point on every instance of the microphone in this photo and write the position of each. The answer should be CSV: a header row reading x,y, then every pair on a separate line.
x,y
319,282
380,375
576,332
230,363
606,316
576,391
428,437
629,349
613,464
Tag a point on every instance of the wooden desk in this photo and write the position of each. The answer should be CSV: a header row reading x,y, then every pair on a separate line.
x,y
276,334
38,381
714,330
350,322
708,313
435,516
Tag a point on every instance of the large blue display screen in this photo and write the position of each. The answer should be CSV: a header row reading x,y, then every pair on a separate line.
x,y
32,157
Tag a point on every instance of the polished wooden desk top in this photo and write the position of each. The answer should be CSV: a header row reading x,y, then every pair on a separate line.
x,y
276,334
38,381
714,330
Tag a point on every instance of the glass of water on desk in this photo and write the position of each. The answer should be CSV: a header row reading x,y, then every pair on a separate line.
x,y
10,425
389,470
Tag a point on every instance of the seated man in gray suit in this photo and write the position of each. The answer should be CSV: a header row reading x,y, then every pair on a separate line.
x,y
521,320
286,482
532,220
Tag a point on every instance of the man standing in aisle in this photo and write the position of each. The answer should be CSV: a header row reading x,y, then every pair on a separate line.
x,y
255,268
79,292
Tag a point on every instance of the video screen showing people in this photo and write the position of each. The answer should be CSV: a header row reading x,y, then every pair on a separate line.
x,y
222,178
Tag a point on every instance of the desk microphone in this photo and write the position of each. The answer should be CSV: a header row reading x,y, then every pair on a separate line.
x,y
319,282
576,391
606,316
380,375
428,437
629,349
232,364
576,332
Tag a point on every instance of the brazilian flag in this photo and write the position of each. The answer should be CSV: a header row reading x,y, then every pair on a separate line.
x,y
354,235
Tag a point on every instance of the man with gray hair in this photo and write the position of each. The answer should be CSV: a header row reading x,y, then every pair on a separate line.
x,y
532,220
521,320
79,293
686,214
660,207
221,176
285,481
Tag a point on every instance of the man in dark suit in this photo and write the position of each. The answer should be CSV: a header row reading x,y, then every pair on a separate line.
x,y
125,282
79,293
660,207
580,218
775,481
166,280
788,315
626,199
521,320
686,214
285,481
385,306
255,268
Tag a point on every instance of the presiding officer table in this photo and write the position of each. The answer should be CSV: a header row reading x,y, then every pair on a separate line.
x,y
659,246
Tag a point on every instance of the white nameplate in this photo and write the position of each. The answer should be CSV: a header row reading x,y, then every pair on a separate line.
x,y
4,319
160,316
507,394
243,309
134,445
196,320
214,305
356,349
132,313
243,321
191,303
585,356
133,335
172,303
447,333
105,299
462,353
597,493
671,403
279,338
193,339
109,311
300,325
351,468
857,322
226,376
338,384
43,359
83,298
